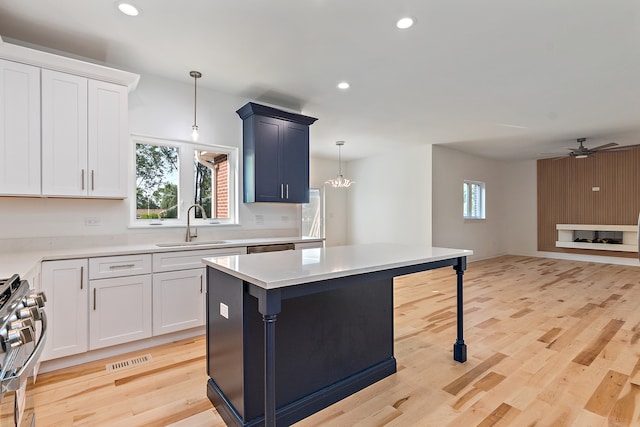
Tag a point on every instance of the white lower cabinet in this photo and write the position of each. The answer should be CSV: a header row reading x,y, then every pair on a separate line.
x,y
178,300
179,288
66,288
120,310
99,302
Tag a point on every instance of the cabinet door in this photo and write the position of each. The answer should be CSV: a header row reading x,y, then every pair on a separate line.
x,y
295,162
64,283
178,300
20,124
64,134
108,133
120,310
268,138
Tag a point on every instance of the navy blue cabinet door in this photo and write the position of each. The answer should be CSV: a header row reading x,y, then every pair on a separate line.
x,y
295,156
269,133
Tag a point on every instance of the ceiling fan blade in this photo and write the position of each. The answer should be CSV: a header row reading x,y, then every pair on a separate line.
x,y
605,146
623,147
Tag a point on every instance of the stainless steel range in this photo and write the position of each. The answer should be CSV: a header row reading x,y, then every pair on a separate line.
x,y
23,326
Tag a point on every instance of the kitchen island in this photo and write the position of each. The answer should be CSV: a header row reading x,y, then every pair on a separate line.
x,y
333,312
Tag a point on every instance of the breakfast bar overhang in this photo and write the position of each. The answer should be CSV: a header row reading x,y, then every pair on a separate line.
x,y
332,309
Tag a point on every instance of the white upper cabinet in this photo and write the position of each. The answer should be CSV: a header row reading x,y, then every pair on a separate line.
x,y
63,125
84,137
20,125
108,136
64,134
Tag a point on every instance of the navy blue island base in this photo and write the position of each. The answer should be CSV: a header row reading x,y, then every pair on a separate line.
x,y
334,337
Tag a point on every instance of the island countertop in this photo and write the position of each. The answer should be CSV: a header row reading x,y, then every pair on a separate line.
x,y
287,268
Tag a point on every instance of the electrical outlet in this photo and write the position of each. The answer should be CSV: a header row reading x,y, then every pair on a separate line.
x,y
93,221
259,219
224,310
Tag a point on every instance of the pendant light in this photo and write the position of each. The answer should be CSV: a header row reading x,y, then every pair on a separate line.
x,y
196,75
340,181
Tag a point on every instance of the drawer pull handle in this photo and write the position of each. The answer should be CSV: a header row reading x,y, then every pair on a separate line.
x,y
114,267
92,181
83,179
81,277
201,283
94,299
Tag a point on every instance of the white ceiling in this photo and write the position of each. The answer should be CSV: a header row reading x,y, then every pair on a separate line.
x,y
499,78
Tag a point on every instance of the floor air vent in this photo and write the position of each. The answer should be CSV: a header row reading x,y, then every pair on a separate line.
x,y
129,363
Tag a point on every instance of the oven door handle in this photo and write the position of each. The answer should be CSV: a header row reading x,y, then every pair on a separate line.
x,y
14,382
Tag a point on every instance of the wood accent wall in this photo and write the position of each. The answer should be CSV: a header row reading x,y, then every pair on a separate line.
x,y
565,195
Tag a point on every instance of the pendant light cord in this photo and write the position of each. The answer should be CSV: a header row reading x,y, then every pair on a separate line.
x,y
196,75
195,99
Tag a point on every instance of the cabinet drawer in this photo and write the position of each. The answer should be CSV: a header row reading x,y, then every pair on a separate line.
x,y
184,260
118,266
309,245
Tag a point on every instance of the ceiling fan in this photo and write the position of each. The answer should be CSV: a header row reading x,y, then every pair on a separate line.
x,y
582,152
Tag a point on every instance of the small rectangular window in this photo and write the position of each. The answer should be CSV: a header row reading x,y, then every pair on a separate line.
x,y
473,204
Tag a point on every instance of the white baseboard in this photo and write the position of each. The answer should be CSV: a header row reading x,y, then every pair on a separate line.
x,y
579,257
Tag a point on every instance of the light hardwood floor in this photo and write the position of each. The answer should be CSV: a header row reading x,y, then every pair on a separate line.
x,y
550,343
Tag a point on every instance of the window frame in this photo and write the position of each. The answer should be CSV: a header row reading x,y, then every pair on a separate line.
x,y
186,182
468,212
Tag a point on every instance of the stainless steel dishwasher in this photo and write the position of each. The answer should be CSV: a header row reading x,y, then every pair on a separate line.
x,y
270,248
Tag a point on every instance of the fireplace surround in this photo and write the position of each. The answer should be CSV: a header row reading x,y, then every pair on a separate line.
x,y
622,238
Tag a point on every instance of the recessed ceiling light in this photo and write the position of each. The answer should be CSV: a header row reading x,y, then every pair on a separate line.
x,y
343,85
404,23
128,9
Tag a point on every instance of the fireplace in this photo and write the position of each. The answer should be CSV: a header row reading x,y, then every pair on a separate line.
x,y
598,237
621,238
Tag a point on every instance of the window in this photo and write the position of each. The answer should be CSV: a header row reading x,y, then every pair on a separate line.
x,y
313,215
211,179
156,181
473,199
171,176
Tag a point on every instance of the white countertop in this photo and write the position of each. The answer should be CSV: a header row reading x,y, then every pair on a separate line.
x,y
279,269
24,263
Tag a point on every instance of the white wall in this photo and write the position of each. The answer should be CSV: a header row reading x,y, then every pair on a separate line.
x,y
520,178
159,108
335,200
487,238
391,199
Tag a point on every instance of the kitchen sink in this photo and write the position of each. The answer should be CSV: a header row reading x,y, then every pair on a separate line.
x,y
204,242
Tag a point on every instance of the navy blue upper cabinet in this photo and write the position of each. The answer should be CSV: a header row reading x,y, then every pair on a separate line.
x,y
275,154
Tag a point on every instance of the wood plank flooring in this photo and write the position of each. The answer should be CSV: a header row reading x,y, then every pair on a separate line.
x,y
550,343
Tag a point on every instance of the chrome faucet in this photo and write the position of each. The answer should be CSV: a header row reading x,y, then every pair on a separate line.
x,y
204,216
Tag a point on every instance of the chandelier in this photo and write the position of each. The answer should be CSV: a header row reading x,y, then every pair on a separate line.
x,y
340,181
